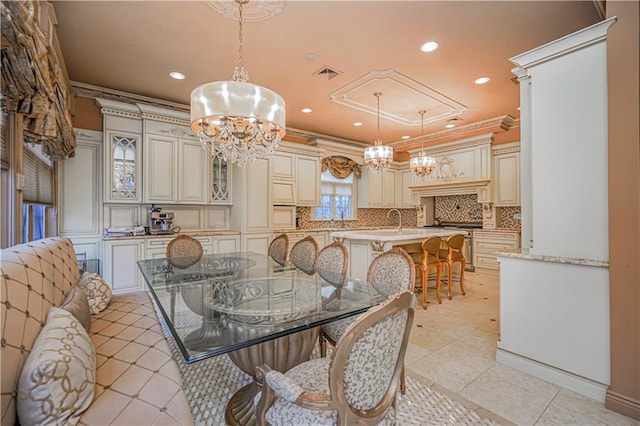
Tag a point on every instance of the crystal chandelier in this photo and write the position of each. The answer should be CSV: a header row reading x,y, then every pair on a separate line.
x,y
235,119
378,156
422,164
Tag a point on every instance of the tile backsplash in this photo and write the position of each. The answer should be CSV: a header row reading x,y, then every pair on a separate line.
x,y
506,219
365,218
458,208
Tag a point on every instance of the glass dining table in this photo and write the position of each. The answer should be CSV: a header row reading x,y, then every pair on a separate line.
x,y
253,309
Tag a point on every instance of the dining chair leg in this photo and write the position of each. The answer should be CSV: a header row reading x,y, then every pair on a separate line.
x,y
323,345
403,385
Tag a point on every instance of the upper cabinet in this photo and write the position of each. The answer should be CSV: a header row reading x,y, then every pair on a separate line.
x,y
377,188
296,175
171,147
506,175
122,152
220,190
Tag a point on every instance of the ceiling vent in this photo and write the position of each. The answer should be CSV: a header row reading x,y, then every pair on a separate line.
x,y
327,72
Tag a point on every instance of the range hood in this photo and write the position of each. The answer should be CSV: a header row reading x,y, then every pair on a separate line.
x,y
462,167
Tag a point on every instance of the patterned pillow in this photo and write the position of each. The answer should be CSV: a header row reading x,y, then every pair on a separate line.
x,y
76,302
97,290
58,378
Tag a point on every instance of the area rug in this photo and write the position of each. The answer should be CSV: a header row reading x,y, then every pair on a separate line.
x,y
210,383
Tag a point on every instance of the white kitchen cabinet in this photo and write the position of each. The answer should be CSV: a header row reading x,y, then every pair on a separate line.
x,y
226,243
487,243
156,248
252,210
79,187
283,172
307,181
160,165
506,182
122,155
120,268
284,192
258,243
284,217
404,196
164,154
220,190
377,189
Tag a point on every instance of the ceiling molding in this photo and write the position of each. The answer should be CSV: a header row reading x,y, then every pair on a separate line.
x,y
505,122
401,90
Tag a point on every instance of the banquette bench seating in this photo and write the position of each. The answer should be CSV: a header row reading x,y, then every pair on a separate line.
x,y
131,379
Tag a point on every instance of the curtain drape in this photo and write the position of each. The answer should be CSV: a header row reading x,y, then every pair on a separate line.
x,y
340,167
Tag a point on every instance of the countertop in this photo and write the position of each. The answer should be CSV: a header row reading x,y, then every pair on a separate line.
x,y
406,235
191,234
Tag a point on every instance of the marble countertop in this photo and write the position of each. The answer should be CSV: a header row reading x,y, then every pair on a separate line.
x,y
523,254
406,235
191,234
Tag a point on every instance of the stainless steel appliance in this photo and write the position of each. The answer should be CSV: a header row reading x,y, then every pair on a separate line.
x,y
158,222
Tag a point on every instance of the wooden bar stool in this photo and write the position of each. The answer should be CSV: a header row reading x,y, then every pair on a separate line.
x,y
430,249
451,255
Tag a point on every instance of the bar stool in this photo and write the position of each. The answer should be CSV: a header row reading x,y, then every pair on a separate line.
x,y
430,259
451,255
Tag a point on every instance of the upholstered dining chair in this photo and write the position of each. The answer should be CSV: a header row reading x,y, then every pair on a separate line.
x,y
450,256
389,273
430,250
278,249
357,385
304,254
183,251
332,263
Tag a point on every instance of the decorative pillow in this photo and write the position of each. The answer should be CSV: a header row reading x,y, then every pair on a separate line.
x,y
58,378
76,302
97,290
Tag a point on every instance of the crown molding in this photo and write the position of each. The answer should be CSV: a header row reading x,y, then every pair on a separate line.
x,y
506,148
505,122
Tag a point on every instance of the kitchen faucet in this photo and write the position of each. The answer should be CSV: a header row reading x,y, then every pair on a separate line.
x,y
399,217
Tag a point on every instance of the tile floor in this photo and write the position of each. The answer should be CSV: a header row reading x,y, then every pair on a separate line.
x,y
453,345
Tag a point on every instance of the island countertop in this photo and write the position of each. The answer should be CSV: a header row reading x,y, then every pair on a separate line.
x,y
395,236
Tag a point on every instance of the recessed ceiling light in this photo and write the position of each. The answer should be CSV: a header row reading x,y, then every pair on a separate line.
x,y
450,126
177,75
429,46
406,137
306,110
518,108
357,124
482,80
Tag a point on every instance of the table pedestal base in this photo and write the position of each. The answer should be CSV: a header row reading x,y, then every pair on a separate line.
x,y
280,354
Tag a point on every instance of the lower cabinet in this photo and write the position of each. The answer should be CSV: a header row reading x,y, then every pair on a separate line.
x,y
120,269
487,243
226,243
258,243
156,248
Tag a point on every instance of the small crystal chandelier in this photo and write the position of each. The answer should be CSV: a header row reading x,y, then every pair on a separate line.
x,y
378,156
422,164
235,119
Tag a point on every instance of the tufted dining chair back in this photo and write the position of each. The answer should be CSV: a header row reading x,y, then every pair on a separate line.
x,y
183,251
278,249
332,263
392,271
304,254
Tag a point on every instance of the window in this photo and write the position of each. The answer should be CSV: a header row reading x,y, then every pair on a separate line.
x,y
37,207
337,197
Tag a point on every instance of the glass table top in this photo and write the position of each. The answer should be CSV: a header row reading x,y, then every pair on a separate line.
x,y
224,302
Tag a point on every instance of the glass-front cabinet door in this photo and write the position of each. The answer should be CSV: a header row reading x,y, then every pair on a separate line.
x,y
220,180
123,169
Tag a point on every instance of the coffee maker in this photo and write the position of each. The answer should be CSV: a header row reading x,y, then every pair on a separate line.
x,y
158,222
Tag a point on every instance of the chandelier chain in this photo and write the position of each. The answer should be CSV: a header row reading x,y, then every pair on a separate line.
x,y
239,73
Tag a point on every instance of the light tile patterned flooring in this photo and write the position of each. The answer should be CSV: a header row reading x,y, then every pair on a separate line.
x,y
453,346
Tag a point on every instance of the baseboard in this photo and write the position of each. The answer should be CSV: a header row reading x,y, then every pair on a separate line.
x,y
622,404
565,379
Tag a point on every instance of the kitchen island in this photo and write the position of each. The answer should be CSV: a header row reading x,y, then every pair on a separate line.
x,y
364,245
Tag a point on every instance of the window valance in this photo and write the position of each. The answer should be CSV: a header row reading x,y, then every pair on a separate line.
x,y
340,167
33,81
